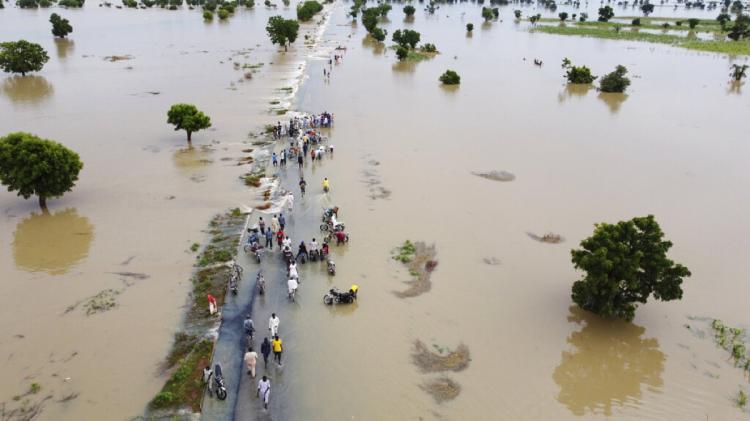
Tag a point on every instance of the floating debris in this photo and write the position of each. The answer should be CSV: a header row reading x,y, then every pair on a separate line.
x,y
429,361
442,389
492,261
420,260
496,175
113,59
134,275
550,238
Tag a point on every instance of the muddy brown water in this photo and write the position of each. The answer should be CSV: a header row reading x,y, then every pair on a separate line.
x,y
674,146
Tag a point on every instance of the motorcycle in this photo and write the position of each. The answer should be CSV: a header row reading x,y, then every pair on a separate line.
x,y
332,228
331,267
337,296
314,255
219,386
233,281
288,257
302,258
254,248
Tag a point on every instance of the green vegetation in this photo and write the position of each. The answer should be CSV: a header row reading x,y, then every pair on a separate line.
x,y
405,253
517,13
740,29
409,10
308,9
723,19
605,14
487,14
406,38
187,117
741,399
378,34
450,78
625,263
738,72
402,53
253,180
469,27
636,22
563,16
647,9
185,387
60,27
37,167
194,247
22,57
583,17
615,81
282,31
35,388
577,75
693,22
223,14
207,15
429,48
724,47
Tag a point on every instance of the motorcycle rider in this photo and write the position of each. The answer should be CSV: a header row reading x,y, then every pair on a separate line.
x,y
313,247
341,237
249,326
302,250
287,242
324,248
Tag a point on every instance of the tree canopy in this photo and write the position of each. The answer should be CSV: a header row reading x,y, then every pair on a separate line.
x,y
60,27
450,77
406,38
308,9
647,8
615,81
187,117
577,74
22,57
625,263
605,14
409,10
37,167
282,31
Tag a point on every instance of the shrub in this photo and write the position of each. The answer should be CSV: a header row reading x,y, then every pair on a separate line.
x,y
429,48
693,22
308,9
583,17
207,15
577,74
409,10
450,78
378,34
402,53
517,13
563,16
469,27
605,14
615,81
223,14
636,22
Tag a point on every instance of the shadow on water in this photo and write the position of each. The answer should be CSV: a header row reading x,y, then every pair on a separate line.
x,y
574,90
608,365
64,47
192,158
613,100
26,89
52,243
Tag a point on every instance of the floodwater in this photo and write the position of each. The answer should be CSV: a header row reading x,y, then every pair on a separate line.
x,y
673,146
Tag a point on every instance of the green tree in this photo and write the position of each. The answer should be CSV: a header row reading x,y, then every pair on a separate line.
x,y
615,81
647,9
450,78
60,27
37,167
693,22
577,74
738,71
583,17
223,14
378,34
402,53
469,27
187,117
605,14
636,22
723,19
740,29
207,15
625,263
383,9
370,18
282,31
308,9
22,57
406,38
487,14
563,16
517,13
409,10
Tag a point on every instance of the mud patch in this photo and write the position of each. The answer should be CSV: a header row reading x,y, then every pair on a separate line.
x,y
373,181
442,389
495,175
549,238
420,260
443,360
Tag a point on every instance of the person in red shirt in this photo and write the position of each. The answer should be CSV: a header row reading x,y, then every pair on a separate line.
x,y
212,308
280,237
340,237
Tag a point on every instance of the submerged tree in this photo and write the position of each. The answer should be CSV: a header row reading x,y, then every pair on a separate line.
x,y
605,14
487,14
723,19
647,9
37,167
187,117
625,263
450,78
615,81
60,27
517,13
282,31
378,34
469,27
409,10
563,16
576,74
406,38
738,72
740,29
308,9
22,57
402,53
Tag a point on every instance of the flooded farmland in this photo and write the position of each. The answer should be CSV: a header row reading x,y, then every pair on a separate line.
x,y
407,154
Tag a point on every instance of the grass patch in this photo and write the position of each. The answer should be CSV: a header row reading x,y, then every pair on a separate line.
x,y
646,23
194,247
722,47
404,253
420,261
442,389
185,387
417,54
252,180
183,344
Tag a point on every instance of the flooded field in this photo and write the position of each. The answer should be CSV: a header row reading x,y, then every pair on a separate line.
x,y
407,151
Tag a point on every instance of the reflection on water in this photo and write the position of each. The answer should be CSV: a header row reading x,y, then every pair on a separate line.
x,y
609,364
574,90
31,89
191,158
613,100
406,66
378,48
52,243
64,47
735,87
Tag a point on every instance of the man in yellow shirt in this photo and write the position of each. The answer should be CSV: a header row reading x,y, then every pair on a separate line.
x,y
276,345
326,185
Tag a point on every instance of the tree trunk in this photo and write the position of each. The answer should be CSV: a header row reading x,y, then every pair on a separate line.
x,y
23,74
190,137
43,204
285,48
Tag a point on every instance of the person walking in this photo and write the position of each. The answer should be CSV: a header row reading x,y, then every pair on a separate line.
x,y
276,345
251,358
326,185
300,160
264,391
290,202
275,223
262,225
269,239
273,325
265,349
302,185
282,221
212,307
280,238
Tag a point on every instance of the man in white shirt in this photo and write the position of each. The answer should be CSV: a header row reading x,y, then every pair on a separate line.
x,y
273,325
251,357
264,390
293,271
292,285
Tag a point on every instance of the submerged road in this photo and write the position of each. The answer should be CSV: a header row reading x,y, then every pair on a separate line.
x,y
301,225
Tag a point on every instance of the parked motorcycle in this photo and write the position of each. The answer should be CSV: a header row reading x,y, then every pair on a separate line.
x,y
254,248
337,296
219,386
233,281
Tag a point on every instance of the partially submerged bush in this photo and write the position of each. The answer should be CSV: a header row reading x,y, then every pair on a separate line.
x,y
450,77
469,27
577,74
615,81
308,9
